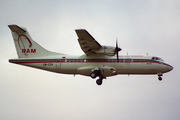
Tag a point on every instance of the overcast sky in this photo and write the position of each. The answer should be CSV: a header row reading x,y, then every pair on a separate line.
x,y
141,26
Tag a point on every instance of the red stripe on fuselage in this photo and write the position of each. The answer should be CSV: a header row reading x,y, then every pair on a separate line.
x,y
21,62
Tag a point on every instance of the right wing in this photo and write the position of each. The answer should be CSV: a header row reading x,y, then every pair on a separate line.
x,y
87,42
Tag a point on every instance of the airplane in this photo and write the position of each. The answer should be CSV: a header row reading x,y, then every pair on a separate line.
x,y
98,61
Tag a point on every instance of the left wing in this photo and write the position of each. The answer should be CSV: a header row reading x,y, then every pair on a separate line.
x,y
87,42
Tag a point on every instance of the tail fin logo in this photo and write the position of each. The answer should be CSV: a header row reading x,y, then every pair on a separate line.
x,y
25,43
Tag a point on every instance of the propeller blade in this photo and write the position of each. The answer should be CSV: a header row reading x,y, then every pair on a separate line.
x,y
117,49
117,56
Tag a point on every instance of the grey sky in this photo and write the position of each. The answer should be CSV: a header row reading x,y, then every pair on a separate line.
x,y
150,26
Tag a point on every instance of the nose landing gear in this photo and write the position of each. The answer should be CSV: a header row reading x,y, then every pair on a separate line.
x,y
159,76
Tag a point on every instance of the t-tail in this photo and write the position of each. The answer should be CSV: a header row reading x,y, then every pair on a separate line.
x,y
26,47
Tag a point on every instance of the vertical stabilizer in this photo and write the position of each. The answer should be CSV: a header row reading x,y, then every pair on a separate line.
x,y
25,46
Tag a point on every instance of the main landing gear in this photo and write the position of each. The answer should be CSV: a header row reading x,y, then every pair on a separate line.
x,y
159,76
96,73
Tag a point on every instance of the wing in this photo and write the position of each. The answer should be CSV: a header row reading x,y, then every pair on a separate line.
x,y
87,42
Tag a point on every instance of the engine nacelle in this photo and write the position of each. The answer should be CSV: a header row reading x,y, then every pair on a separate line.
x,y
106,50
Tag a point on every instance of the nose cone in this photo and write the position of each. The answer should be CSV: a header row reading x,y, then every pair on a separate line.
x,y
169,67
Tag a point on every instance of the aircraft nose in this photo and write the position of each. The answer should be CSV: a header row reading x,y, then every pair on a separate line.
x,y
169,67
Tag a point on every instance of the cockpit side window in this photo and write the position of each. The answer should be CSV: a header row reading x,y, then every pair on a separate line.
x,y
161,59
157,58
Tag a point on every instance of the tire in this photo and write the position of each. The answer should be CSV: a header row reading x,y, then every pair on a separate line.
x,y
93,75
160,78
99,82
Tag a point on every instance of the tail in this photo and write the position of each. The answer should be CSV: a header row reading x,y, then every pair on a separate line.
x,y
25,46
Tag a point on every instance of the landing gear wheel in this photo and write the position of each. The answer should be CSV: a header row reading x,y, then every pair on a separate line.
x,y
99,81
93,75
160,78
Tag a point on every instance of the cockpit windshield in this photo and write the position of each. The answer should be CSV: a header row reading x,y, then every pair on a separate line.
x,y
157,59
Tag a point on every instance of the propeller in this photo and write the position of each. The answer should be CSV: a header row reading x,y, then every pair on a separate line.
x,y
117,49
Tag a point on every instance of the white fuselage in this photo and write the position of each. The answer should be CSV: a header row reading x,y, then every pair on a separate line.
x,y
109,66
98,61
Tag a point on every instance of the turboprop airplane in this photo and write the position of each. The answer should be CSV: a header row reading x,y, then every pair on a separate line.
x,y
98,61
